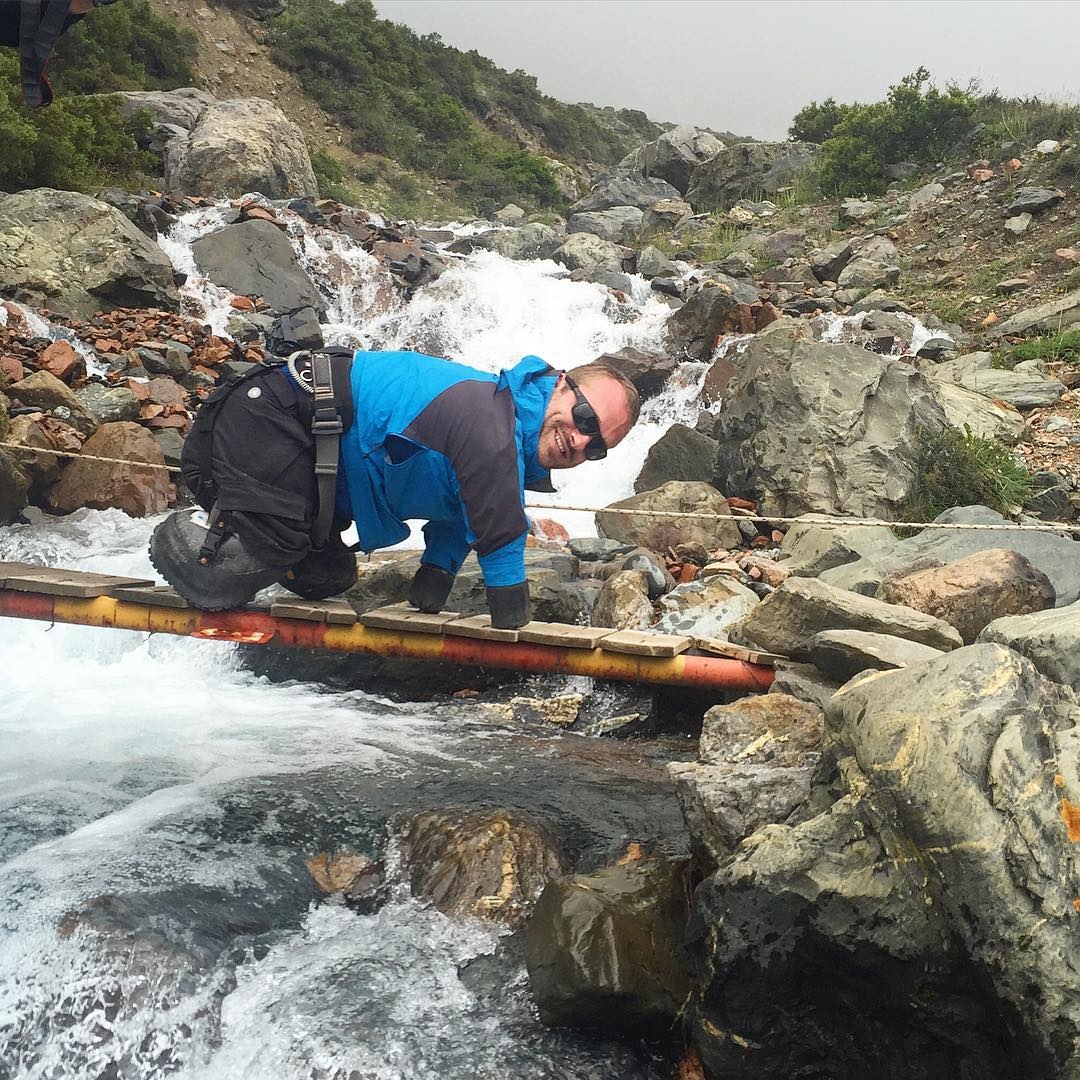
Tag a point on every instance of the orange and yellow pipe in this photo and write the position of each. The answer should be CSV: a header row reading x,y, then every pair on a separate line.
x,y
261,628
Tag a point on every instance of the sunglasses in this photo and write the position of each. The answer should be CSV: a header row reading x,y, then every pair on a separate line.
x,y
587,422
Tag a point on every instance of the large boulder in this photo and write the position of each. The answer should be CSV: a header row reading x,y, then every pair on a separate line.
x,y
180,108
787,620
605,951
1049,639
46,392
592,255
140,492
648,371
619,224
758,166
674,155
681,453
611,189
14,487
1055,556
653,530
717,308
973,591
240,146
255,258
811,427
75,255
532,241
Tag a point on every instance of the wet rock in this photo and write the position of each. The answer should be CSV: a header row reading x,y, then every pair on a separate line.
x,y
653,263
14,487
713,310
532,241
648,371
604,950
61,360
487,864
787,620
681,453
139,492
716,529
973,591
254,258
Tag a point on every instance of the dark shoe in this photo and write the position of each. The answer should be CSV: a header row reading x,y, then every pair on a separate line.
x,y
229,580
328,571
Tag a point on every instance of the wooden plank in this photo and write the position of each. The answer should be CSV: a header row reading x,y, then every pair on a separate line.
x,y
152,595
334,612
478,626
641,643
563,634
404,617
7,568
54,582
737,652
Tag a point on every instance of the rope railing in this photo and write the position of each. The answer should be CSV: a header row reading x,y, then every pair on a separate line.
x,y
666,515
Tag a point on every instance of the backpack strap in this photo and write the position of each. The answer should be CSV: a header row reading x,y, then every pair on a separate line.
x,y
327,428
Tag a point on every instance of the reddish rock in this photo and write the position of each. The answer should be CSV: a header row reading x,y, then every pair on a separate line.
x,y
11,370
766,314
1012,166
139,390
242,303
136,490
166,391
981,176
720,374
62,361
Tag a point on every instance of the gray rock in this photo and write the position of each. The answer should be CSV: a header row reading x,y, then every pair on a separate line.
x,y
510,214
721,181
610,190
592,547
239,146
705,609
842,654
809,548
254,258
713,310
532,241
681,453
715,529
827,262
583,251
867,274
1019,224
665,214
856,211
674,155
180,108
1033,200
1054,555
45,391
786,620
1052,316
653,263
648,371
986,416
848,442
976,757
75,256
925,195
624,602
108,403
619,224
803,681
1049,639
1020,389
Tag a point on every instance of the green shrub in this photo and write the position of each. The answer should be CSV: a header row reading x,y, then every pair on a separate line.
x,y
960,468
125,46
77,144
915,122
1026,120
1063,346
815,123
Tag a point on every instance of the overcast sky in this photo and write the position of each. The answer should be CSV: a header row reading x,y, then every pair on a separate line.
x,y
749,65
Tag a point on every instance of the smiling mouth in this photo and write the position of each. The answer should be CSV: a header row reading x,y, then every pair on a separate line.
x,y
560,444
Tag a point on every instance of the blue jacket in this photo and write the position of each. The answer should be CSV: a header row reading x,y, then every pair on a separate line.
x,y
448,444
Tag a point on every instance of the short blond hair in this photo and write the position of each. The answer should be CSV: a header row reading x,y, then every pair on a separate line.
x,y
589,372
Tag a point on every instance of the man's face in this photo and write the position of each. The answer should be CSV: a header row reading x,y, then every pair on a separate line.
x,y
562,445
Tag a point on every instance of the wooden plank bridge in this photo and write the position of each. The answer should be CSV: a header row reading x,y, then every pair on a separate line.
x,y
70,596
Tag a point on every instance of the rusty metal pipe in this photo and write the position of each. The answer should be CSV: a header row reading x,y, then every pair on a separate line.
x,y
261,628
